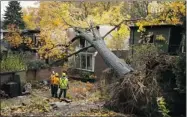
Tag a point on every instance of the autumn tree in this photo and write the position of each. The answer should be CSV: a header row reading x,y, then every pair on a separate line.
x,y
49,18
136,9
13,15
167,13
57,16
13,37
117,42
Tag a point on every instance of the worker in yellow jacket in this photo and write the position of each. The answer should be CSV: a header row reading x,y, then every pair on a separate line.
x,y
55,85
51,82
63,85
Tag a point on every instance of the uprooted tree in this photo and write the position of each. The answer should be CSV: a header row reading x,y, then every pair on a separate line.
x,y
78,14
94,38
49,18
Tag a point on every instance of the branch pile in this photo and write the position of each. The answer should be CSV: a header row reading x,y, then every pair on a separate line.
x,y
138,91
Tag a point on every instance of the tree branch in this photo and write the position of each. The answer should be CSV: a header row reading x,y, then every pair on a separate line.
x,y
118,26
85,48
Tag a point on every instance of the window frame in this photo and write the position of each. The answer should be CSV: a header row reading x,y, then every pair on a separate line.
x,y
92,61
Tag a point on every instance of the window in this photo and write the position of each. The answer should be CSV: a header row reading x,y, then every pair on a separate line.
x,y
89,62
84,61
83,43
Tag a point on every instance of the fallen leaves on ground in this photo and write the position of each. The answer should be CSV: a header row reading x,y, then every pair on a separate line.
x,y
37,105
98,112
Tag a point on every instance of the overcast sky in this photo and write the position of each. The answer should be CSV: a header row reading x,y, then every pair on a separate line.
x,y
23,4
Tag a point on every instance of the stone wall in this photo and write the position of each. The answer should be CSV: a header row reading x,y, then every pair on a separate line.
x,y
26,76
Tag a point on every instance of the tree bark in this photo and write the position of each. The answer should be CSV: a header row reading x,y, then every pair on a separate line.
x,y
95,39
109,57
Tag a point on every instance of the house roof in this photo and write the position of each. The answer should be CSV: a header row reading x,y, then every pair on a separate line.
x,y
24,31
31,31
159,25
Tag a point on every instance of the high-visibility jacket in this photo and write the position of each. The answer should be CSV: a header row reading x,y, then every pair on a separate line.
x,y
56,80
63,83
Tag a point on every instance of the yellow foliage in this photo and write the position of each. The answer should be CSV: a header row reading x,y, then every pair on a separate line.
x,y
53,28
13,37
118,37
171,13
49,18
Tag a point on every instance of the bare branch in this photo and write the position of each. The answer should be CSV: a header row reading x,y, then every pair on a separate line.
x,y
118,26
72,40
58,61
85,48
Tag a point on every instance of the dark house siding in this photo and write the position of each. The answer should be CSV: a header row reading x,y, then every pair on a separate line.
x,y
171,33
100,64
175,40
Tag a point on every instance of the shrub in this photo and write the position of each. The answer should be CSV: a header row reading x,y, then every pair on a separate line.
x,y
142,54
37,64
13,62
153,77
85,74
180,73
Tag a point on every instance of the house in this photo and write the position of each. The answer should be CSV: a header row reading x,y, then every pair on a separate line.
x,y
90,60
168,36
33,34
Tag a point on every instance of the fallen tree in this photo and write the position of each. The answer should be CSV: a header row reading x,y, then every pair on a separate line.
x,y
153,80
93,37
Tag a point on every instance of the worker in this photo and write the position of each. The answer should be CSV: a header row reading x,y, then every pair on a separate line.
x,y
55,85
51,82
63,85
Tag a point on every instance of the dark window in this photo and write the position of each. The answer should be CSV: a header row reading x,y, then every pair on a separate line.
x,y
83,61
82,43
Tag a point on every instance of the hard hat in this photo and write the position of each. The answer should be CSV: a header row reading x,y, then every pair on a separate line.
x,y
53,72
56,74
63,74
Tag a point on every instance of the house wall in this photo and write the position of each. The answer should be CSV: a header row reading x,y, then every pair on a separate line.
x,y
42,74
100,64
26,76
157,30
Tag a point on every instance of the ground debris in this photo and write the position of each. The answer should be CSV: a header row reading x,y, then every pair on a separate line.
x,y
40,102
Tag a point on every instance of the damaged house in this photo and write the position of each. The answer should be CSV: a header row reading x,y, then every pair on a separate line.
x,y
89,60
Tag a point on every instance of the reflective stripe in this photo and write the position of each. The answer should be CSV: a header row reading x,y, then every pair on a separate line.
x,y
63,83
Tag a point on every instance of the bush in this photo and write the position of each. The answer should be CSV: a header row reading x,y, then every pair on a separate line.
x,y
142,54
13,62
180,73
153,77
36,65
87,75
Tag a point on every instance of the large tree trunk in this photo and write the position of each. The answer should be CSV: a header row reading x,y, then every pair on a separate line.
x,y
98,43
109,57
